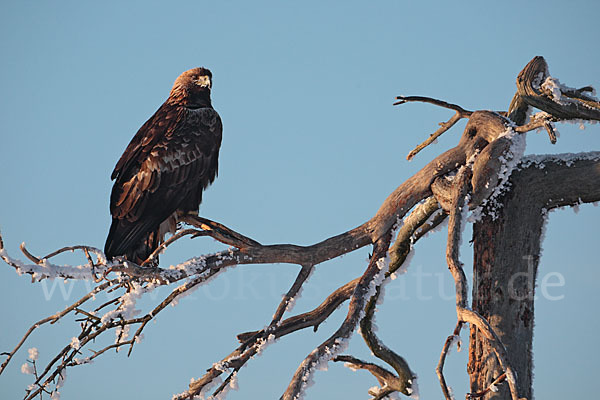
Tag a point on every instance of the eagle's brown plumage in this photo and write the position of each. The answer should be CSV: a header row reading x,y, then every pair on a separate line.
x,y
169,162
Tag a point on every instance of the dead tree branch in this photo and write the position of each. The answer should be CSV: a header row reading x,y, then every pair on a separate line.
x,y
404,381
536,88
464,314
254,342
444,126
387,380
476,169
368,283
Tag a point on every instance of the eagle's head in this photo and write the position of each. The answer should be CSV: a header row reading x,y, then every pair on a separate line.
x,y
192,88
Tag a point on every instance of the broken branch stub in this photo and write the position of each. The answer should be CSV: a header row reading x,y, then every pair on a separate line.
x,y
563,103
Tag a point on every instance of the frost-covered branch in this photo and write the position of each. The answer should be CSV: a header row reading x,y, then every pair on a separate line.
x,y
388,382
405,380
536,88
464,314
408,234
455,226
252,345
365,288
398,252
54,318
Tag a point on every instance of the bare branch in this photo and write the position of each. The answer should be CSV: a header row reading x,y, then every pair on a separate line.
x,y
28,254
440,367
398,254
171,240
430,100
484,327
312,318
387,380
402,383
444,126
290,295
460,191
220,232
259,341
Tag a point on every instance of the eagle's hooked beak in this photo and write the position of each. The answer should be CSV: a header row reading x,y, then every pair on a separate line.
x,y
203,81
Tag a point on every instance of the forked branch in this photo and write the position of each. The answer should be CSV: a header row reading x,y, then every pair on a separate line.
x,y
444,126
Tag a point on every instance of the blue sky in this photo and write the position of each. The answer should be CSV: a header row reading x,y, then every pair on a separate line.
x,y
312,145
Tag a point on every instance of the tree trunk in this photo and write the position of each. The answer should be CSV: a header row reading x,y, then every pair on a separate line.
x,y
506,258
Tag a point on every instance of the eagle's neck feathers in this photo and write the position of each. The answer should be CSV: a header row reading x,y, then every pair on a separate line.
x,y
182,96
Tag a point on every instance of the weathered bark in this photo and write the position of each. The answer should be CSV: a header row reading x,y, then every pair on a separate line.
x,y
506,258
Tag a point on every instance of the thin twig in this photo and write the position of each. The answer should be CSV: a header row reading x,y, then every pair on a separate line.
x,y
460,191
87,314
440,367
86,249
303,275
444,126
170,241
28,254
430,100
53,318
106,304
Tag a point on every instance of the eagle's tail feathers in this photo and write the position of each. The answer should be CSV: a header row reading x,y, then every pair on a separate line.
x,y
135,241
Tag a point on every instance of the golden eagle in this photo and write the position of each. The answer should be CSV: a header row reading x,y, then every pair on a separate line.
x,y
161,175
